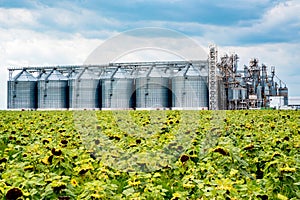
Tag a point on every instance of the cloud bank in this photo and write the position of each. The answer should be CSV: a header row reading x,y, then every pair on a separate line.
x,y
38,33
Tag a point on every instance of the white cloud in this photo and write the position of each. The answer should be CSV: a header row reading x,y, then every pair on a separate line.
x,y
282,13
28,48
65,19
73,18
154,39
16,17
279,23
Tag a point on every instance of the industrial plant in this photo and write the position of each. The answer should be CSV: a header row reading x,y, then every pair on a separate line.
x,y
215,84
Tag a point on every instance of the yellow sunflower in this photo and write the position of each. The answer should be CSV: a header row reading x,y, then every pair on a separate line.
x,y
74,182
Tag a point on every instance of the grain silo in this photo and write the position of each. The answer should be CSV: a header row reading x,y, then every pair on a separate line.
x,y
117,89
152,89
189,89
52,90
84,90
22,91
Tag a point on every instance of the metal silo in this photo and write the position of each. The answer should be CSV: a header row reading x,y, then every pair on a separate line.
x,y
117,89
230,94
259,92
267,90
84,90
259,95
283,91
52,90
152,89
235,93
189,89
243,93
22,91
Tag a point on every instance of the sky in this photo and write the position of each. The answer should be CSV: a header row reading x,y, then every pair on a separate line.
x,y
66,32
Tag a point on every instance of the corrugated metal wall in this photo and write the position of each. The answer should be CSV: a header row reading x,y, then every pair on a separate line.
x,y
153,89
22,91
53,91
84,90
189,89
111,87
117,90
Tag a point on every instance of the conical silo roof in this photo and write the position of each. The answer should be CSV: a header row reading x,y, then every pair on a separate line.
x,y
107,74
188,70
87,74
56,75
72,74
24,76
43,76
121,73
154,72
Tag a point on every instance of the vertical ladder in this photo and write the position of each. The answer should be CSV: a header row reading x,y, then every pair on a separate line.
x,y
212,78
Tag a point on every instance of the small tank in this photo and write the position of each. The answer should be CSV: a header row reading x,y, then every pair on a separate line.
x,y
283,91
243,93
52,90
267,90
259,92
236,93
22,91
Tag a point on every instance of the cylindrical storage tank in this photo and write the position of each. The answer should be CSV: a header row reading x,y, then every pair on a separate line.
x,y
230,94
22,91
52,91
189,89
258,92
152,89
117,90
274,90
84,90
267,90
243,93
235,93
259,96
284,92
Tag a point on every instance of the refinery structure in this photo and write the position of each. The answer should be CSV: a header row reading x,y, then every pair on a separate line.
x,y
215,84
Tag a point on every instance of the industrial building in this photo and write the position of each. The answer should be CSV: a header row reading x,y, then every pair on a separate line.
x,y
204,84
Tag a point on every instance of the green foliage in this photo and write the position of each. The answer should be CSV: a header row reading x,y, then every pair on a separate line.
x,y
149,155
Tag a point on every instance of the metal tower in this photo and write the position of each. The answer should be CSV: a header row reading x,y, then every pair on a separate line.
x,y
212,78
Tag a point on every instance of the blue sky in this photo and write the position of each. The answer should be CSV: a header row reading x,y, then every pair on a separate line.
x,y
49,32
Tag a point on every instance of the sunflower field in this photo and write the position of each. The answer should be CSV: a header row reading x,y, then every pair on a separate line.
x,y
150,155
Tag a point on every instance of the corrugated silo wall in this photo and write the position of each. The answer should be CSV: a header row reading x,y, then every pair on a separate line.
x,y
117,93
190,92
84,93
152,92
52,94
10,94
21,95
